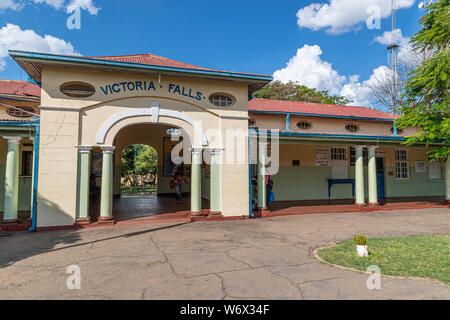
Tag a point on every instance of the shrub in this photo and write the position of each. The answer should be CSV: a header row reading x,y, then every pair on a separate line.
x,y
360,240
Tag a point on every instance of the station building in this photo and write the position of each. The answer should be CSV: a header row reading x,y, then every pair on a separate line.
x,y
72,123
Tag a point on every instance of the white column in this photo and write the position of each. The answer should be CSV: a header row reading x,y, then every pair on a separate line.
x,y
359,176
11,205
373,183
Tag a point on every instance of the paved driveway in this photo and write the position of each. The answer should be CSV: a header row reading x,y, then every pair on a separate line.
x,y
257,259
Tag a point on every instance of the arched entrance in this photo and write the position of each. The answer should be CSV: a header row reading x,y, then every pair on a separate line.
x,y
173,146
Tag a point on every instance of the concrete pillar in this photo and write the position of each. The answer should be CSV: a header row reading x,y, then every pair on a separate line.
x,y
216,182
447,180
106,204
359,176
12,181
373,183
262,209
196,182
84,175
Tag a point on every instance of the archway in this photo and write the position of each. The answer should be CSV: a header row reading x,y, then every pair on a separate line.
x,y
157,200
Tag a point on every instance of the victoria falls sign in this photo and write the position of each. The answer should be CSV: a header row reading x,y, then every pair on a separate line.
x,y
150,86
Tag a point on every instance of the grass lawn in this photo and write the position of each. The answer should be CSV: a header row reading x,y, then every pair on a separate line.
x,y
421,256
138,192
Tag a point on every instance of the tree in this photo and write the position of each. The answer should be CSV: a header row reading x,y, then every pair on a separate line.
x,y
292,91
426,101
382,89
139,161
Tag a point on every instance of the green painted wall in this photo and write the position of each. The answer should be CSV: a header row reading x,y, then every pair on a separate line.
x,y
24,191
310,183
418,186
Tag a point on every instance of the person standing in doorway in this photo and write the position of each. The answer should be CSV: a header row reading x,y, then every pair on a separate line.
x,y
179,181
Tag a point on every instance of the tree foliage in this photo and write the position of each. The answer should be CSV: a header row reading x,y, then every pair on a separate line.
x,y
292,91
426,102
139,161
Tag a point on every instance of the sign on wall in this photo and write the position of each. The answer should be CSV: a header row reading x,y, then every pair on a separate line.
x,y
323,157
421,166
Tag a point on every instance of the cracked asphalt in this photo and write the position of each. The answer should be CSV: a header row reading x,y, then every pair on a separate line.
x,y
255,259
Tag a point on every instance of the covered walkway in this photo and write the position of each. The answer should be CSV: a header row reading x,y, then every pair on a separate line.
x,y
285,208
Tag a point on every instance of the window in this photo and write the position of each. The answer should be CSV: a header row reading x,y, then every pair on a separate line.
x,y
21,112
296,163
352,127
353,157
339,164
304,125
401,164
77,89
27,163
221,100
435,170
339,153
399,131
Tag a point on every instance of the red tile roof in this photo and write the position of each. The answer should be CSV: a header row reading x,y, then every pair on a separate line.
x,y
19,88
316,109
154,60
150,59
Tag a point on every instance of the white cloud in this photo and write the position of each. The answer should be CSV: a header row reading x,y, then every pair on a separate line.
x,y
70,5
9,4
12,37
338,16
307,68
406,55
57,4
83,4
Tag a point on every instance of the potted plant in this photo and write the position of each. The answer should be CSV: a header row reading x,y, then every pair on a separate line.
x,y
361,245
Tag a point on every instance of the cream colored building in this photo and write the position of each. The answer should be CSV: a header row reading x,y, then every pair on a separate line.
x,y
96,107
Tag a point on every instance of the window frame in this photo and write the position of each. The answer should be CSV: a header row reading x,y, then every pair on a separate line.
x,y
402,165
25,161
223,98
431,170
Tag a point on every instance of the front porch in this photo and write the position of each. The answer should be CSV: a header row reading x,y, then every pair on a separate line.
x,y
287,208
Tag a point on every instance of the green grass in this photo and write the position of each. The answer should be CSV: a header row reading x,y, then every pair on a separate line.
x,y
421,256
138,192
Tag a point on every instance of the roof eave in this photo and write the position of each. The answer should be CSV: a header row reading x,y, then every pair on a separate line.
x,y
320,115
32,58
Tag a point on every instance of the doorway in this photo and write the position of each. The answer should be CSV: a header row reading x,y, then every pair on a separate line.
x,y
381,179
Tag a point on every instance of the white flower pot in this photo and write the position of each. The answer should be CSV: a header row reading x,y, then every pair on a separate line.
x,y
363,251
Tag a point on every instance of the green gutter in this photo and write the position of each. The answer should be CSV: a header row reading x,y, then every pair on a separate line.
x,y
44,57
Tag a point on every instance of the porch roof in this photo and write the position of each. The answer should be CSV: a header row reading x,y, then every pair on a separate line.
x,y
300,108
32,63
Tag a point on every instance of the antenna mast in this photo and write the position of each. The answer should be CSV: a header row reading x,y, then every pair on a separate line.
x,y
393,59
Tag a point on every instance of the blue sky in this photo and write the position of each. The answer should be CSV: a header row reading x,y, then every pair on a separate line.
x,y
248,36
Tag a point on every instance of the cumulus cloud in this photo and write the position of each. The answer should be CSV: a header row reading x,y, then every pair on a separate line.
x,y
307,68
12,37
83,4
338,16
406,55
9,4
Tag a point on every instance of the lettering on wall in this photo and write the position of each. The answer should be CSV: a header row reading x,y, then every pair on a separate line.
x,y
150,86
323,157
